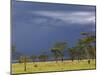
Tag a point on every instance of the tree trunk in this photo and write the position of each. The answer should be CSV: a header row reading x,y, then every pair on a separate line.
x,y
87,54
78,59
25,66
25,63
72,60
62,59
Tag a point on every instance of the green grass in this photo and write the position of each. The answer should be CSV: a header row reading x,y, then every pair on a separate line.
x,y
18,68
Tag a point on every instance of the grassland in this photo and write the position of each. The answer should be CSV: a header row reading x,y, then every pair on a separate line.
x,y
18,68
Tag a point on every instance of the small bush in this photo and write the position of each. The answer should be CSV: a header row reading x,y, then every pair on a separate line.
x,y
35,65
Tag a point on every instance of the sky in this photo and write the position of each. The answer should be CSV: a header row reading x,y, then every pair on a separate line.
x,y
36,27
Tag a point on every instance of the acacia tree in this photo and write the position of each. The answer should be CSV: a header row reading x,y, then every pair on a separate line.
x,y
87,41
43,57
58,50
76,52
80,53
24,60
71,53
92,46
92,52
33,57
55,54
85,48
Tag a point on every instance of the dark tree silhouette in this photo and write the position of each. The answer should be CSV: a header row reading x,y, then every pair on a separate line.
x,y
58,50
43,57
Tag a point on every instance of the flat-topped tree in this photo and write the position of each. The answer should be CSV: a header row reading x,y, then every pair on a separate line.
x,y
88,41
43,57
71,52
58,50
55,53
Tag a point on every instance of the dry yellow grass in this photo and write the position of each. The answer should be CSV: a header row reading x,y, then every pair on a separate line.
x,y
50,66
